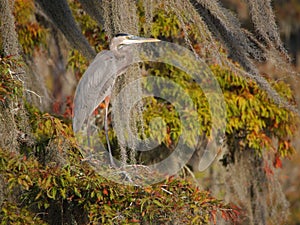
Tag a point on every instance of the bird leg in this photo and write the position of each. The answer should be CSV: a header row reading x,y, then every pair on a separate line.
x,y
126,175
107,99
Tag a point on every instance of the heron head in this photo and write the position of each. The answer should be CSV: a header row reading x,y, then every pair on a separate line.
x,y
120,41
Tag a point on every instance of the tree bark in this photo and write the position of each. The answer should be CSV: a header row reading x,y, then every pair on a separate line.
x,y
9,35
60,14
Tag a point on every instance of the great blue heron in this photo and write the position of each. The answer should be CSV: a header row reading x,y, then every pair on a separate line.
x,y
98,80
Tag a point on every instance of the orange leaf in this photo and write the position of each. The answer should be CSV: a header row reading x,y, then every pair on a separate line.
x,y
102,105
105,192
277,162
148,190
213,215
268,170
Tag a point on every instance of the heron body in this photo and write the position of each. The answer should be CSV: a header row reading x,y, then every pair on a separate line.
x,y
98,80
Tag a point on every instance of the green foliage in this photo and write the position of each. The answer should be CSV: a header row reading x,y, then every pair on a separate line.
x,y
31,34
49,133
52,191
77,62
94,34
10,88
166,111
165,25
14,215
92,31
253,119
78,191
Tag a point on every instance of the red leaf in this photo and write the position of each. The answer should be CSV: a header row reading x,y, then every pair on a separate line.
x,y
268,170
277,162
213,215
224,215
56,107
105,192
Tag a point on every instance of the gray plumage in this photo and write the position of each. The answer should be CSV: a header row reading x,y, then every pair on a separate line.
x,y
98,80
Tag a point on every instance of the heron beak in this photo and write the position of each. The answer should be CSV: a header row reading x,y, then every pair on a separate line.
x,y
136,40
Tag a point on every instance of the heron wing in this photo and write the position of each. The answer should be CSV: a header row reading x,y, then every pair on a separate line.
x,y
95,84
